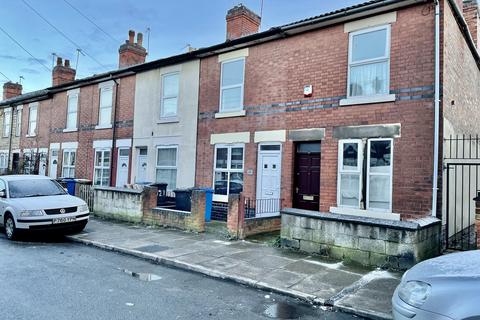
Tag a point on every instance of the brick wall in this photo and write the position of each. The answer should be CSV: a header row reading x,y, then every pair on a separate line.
x,y
275,73
52,115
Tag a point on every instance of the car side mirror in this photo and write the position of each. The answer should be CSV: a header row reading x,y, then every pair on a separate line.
x,y
3,194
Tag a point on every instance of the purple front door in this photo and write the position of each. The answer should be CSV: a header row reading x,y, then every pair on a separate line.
x,y
306,191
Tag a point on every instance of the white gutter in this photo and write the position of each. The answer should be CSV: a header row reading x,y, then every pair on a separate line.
x,y
436,129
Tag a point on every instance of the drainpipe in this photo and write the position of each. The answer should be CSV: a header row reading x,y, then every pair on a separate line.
x,y
114,144
437,110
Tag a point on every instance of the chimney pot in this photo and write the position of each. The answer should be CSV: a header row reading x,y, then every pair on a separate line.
x,y
131,36
67,63
59,61
140,39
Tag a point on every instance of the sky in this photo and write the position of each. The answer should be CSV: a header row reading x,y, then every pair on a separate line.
x,y
173,25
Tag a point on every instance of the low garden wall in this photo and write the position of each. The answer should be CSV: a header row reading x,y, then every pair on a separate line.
x,y
366,241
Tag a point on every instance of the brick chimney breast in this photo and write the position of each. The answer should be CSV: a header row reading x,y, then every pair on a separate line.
x,y
11,90
241,22
131,53
471,15
62,73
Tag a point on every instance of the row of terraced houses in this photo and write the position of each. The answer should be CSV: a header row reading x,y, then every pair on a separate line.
x,y
342,113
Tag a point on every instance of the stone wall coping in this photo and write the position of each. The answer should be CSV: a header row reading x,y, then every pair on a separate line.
x,y
158,209
263,218
124,190
392,224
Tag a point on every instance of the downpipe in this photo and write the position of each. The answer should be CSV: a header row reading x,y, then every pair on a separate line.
x,y
436,137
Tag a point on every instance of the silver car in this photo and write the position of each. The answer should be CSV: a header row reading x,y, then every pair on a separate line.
x,y
29,202
447,287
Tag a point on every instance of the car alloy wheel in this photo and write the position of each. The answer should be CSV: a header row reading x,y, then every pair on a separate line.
x,y
10,228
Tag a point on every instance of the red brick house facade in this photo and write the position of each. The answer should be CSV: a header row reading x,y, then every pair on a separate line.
x,y
309,99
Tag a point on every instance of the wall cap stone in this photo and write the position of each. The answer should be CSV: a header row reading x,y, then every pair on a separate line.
x,y
392,224
115,189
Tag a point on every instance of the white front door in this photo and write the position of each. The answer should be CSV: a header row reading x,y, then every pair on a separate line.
x,y
42,165
52,169
122,166
141,172
269,177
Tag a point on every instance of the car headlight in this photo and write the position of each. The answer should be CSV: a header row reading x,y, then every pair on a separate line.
x,y
83,208
31,213
414,293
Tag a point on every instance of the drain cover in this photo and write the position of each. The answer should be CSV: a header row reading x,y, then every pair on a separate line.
x,y
152,248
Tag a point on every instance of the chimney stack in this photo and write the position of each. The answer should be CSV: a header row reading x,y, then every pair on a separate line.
x,y
62,73
471,15
11,90
131,53
241,22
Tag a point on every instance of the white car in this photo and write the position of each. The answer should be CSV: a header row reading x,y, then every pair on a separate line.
x,y
29,202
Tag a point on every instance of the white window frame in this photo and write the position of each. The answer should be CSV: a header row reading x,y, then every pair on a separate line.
x,y
68,166
18,129
7,125
390,174
32,123
341,171
175,167
101,167
242,86
70,127
108,124
222,197
164,97
385,58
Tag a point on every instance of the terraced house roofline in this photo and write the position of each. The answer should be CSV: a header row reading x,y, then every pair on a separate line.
x,y
355,12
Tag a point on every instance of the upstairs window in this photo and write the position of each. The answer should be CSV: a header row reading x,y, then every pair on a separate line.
x,y
7,122
18,129
105,113
369,62
170,87
231,86
32,120
72,107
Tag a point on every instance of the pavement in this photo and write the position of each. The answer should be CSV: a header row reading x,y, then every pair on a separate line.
x,y
56,279
360,291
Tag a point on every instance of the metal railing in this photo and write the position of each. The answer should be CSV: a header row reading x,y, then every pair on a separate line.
x,y
258,208
461,146
86,192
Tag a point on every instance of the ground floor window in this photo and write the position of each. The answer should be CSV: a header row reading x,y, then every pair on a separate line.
x,y
228,169
102,167
166,166
3,160
365,174
68,163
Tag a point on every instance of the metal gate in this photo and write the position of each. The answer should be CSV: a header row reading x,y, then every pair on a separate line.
x,y
462,177
86,192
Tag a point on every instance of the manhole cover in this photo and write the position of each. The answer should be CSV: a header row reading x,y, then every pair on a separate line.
x,y
152,248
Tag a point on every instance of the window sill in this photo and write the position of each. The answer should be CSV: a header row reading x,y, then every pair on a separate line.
x,y
365,213
168,120
220,115
70,130
367,100
30,135
100,127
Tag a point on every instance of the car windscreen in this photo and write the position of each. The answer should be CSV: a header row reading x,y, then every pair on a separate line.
x,y
34,188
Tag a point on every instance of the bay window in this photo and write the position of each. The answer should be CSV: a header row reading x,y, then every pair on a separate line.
x,y
102,167
369,62
365,184
231,85
68,163
170,88
228,169
166,166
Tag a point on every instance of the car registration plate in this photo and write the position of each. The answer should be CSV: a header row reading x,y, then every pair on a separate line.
x,y
63,220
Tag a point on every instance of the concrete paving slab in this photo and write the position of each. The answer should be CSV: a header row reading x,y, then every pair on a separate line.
x,y
246,270
176,252
326,284
195,258
221,263
271,261
375,297
283,279
303,267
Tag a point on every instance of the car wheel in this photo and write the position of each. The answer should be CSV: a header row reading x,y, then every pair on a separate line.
x,y
10,229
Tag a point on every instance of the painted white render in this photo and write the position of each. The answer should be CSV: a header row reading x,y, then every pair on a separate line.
x,y
152,131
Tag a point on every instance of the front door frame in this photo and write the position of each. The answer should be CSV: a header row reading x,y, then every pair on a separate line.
x,y
259,169
294,175
118,163
53,173
138,156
